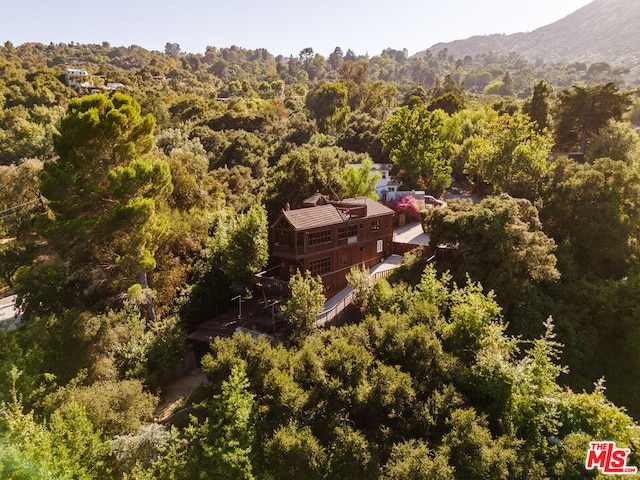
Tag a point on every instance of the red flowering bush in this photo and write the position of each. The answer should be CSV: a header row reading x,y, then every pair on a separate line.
x,y
407,205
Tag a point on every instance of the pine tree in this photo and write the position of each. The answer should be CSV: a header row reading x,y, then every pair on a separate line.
x,y
104,192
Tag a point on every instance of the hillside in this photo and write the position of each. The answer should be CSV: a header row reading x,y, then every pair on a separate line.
x,y
602,31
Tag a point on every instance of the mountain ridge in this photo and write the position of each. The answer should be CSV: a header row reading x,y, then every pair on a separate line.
x,y
602,31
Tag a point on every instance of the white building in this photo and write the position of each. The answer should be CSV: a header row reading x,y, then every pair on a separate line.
x,y
78,77
114,86
387,186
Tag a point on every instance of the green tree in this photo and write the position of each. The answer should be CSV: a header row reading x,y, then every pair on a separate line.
x,y
448,102
428,387
303,172
355,71
105,192
360,181
473,452
19,198
507,89
538,106
329,106
67,446
238,186
241,246
336,58
467,123
190,181
44,288
115,407
26,133
362,285
237,249
581,113
13,255
448,85
459,130
495,87
416,97
174,138
141,450
501,242
242,148
222,445
377,98
304,306
362,135
413,138
413,459
306,54
617,141
591,212
511,156
172,49
350,456
294,452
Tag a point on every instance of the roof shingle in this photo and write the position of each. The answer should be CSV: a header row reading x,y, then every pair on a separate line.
x,y
330,214
313,217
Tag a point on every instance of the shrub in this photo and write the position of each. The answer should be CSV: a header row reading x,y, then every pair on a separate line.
x,y
407,205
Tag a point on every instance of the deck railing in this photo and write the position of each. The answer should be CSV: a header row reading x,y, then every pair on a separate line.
x,y
333,312
337,309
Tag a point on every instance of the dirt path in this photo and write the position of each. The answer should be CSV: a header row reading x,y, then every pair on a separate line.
x,y
179,391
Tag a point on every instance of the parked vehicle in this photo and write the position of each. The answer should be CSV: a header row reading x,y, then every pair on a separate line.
x,y
436,202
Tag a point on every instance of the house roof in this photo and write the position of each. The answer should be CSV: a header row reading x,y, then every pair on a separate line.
x,y
332,213
376,166
313,217
316,200
374,208
381,166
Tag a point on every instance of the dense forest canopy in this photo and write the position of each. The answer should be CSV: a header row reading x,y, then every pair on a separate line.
x,y
136,200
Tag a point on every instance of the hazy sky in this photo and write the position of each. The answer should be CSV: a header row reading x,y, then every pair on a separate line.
x,y
281,26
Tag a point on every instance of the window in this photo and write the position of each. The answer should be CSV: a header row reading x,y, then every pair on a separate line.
x,y
384,174
316,238
286,239
375,225
320,266
347,231
379,246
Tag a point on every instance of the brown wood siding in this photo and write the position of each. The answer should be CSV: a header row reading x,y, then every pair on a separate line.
x,y
293,249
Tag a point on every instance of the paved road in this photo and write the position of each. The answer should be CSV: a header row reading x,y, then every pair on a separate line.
x,y
411,233
458,193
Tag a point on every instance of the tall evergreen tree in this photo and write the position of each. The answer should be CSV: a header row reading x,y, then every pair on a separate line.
x,y
104,192
583,111
537,107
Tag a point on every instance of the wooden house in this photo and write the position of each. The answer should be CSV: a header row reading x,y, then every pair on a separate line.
x,y
329,237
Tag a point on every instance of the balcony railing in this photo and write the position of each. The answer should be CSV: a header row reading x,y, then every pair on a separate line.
x,y
286,251
265,281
